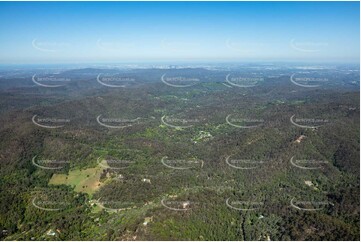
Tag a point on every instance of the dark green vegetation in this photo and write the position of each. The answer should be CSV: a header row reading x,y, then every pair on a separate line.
x,y
138,196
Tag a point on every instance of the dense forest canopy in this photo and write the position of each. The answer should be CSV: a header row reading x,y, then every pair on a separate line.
x,y
248,152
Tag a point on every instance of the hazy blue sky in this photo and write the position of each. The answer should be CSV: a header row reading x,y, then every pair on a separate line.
x,y
71,32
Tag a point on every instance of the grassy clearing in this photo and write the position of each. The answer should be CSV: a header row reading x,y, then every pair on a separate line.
x,y
86,181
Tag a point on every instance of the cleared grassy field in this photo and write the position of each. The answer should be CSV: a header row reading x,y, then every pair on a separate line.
x,y
86,181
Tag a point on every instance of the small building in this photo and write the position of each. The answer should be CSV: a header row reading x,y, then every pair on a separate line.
x,y
147,220
50,232
146,180
299,139
186,204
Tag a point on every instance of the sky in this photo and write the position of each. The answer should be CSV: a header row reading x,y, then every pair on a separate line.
x,y
97,32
